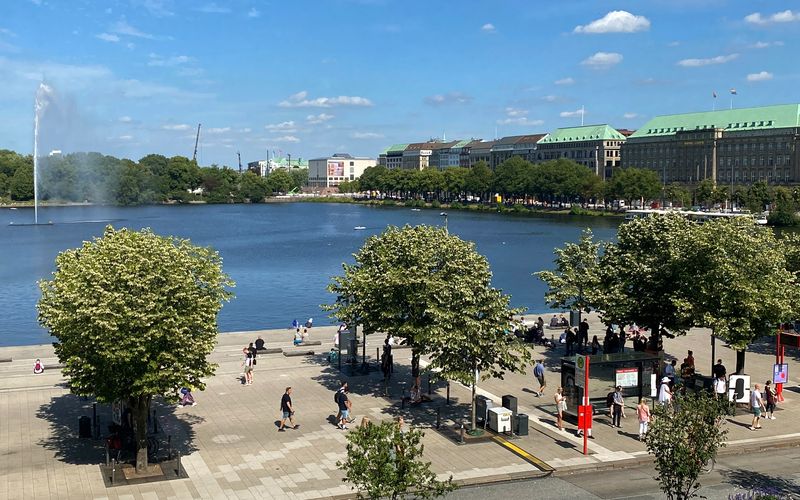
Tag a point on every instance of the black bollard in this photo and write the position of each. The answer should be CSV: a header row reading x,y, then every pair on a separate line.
x,y
113,470
429,384
178,465
448,392
462,433
108,455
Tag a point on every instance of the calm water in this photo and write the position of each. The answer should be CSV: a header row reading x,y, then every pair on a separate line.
x,y
280,255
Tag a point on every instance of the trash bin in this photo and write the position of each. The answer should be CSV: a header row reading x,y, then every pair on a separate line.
x,y
500,419
482,405
510,402
521,424
574,318
85,427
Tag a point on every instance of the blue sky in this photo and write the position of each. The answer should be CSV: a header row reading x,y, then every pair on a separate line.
x,y
312,78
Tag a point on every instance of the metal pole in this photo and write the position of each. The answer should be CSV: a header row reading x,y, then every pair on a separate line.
x,y
713,350
586,418
448,392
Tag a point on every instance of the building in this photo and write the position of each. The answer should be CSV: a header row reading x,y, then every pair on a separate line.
x,y
524,146
481,151
265,167
417,156
332,171
594,146
441,155
392,157
730,146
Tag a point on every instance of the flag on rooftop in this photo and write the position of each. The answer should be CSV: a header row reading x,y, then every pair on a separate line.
x,y
733,91
714,94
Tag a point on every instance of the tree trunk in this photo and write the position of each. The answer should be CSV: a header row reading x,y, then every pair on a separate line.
x,y
740,362
140,407
474,387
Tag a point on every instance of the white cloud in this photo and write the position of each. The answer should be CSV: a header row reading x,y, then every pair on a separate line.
x,y
449,98
522,120
285,138
317,119
616,21
602,60
366,135
157,60
516,112
300,100
157,8
488,28
218,130
125,119
674,43
123,28
213,8
245,130
571,114
253,13
630,116
551,98
125,137
764,45
696,63
107,37
288,126
787,16
180,126
759,77
565,81
7,32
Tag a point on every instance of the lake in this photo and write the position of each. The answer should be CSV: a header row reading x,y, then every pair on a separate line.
x,y
281,255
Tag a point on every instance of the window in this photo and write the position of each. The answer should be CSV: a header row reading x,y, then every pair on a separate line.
x,y
352,163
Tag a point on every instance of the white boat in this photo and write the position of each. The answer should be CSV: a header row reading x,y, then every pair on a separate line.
x,y
359,228
415,209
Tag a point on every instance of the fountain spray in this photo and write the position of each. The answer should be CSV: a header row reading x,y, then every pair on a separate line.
x,y
39,106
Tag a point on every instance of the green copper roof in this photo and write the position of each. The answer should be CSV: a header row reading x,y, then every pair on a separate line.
x,y
761,118
461,144
585,133
396,148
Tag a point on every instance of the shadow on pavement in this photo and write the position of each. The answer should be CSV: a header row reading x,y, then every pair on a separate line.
x,y
175,430
779,487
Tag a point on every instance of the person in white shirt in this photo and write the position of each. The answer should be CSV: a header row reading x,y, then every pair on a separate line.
x,y
757,403
720,387
664,392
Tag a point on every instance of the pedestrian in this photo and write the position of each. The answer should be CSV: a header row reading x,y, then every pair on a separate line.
x,y
38,367
689,360
309,323
669,370
622,338
295,323
298,338
287,410
305,334
771,397
538,372
595,345
561,405
720,387
187,398
643,413
253,352
340,390
664,392
570,341
618,408
757,404
583,329
247,365
344,408
719,370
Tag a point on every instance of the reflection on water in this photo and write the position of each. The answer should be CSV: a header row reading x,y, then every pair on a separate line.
x,y
281,255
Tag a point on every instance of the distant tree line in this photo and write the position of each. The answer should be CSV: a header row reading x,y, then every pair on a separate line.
x,y
97,178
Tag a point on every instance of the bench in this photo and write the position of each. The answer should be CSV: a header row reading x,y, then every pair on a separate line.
x,y
311,342
5,360
270,350
289,353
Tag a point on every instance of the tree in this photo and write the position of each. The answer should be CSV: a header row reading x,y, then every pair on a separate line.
x,y
21,184
433,290
385,462
784,211
479,179
120,305
678,195
299,178
576,277
253,187
634,184
279,181
683,440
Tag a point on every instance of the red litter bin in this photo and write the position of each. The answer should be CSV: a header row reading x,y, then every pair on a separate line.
x,y
585,417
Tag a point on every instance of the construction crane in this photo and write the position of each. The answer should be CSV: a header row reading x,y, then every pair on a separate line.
x,y
238,154
196,142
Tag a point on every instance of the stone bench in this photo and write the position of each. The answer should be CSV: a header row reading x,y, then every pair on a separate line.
x,y
5,360
311,342
270,350
292,352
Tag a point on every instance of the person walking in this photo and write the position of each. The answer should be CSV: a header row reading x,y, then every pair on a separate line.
x,y
618,408
538,372
344,407
595,345
247,364
664,392
643,414
583,329
719,370
757,404
287,410
561,405
771,397
720,387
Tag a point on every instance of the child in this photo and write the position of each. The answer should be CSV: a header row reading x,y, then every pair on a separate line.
x,y
643,412
187,398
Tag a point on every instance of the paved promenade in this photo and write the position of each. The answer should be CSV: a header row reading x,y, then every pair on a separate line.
x,y
231,447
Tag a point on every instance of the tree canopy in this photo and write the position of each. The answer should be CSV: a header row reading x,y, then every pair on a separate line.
x,y
134,315
575,279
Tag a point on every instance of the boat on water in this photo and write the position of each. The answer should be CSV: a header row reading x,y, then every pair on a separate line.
x,y
415,209
359,228
695,215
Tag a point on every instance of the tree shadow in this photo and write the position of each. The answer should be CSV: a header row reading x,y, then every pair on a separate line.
x,y
780,487
174,426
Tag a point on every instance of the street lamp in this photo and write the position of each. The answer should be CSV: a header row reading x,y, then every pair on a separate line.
x,y
444,214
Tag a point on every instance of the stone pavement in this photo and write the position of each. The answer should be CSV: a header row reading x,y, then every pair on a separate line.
x,y
231,448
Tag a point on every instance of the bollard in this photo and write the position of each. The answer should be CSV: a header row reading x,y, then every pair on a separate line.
x,y
462,433
438,416
403,400
108,455
378,354
169,447
448,392
113,469
178,465
429,383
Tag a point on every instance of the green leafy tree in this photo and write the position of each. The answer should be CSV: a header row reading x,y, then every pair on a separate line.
x,y
253,187
21,185
479,179
784,210
434,290
455,180
634,184
4,184
120,305
353,186
299,178
386,462
758,196
374,178
576,275
683,439
678,195
279,181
